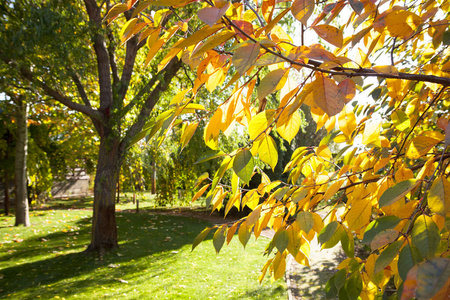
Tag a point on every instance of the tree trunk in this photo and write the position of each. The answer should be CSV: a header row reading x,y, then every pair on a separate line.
x,y
153,177
6,204
22,213
104,229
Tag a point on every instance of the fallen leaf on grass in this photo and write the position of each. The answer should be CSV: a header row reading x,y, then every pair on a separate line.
x,y
121,280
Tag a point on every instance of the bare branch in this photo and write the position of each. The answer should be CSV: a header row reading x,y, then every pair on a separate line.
x,y
130,58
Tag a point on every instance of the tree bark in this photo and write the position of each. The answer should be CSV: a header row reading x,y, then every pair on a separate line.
x,y
104,229
22,211
6,204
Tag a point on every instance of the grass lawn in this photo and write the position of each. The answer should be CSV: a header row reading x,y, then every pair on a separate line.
x,y
153,262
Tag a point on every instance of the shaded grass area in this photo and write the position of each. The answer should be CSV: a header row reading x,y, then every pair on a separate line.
x,y
153,262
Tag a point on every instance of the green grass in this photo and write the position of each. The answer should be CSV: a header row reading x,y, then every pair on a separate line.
x,y
154,260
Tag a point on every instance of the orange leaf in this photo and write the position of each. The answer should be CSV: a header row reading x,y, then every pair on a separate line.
x,y
325,94
330,34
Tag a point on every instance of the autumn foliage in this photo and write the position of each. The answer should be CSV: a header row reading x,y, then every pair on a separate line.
x,y
380,176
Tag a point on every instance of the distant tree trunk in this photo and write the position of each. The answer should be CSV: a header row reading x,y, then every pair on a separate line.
x,y
6,204
104,229
153,177
22,213
118,191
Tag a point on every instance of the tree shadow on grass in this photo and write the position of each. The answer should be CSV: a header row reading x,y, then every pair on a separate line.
x,y
140,235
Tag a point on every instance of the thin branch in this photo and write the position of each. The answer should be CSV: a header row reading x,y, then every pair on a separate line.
x,y
112,58
80,88
349,72
93,114
261,21
167,74
139,95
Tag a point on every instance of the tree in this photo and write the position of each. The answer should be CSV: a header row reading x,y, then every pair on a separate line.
x,y
68,53
382,170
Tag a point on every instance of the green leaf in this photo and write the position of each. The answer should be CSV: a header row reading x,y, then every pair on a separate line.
x,y
396,192
379,225
330,235
200,237
219,238
305,220
387,256
244,57
243,165
348,244
330,288
281,239
208,155
409,256
273,82
340,278
425,236
354,286
432,275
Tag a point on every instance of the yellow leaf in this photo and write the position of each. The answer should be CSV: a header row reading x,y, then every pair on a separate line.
x,y
439,196
215,79
289,129
279,265
302,10
253,217
188,133
214,41
402,24
267,150
371,133
347,121
168,58
420,146
127,30
330,34
153,50
362,59
260,123
244,57
115,11
199,35
212,130
332,190
386,69
359,214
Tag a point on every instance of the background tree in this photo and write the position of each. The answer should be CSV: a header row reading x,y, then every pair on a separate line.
x,y
385,183
67,52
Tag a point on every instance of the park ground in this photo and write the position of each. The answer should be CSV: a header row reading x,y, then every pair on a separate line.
x,y
154,260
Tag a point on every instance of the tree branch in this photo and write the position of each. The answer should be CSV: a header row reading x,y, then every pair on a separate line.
x,y
92,113
102,55
349,72
167,74
130,58
80,88
112,58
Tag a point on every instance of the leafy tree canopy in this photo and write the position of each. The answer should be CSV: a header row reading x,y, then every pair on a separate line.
x,y
382,169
